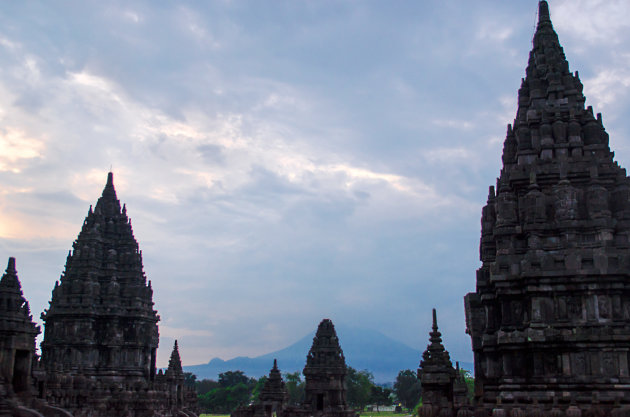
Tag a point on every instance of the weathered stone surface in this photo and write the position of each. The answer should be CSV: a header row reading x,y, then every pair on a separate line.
x,y
549,317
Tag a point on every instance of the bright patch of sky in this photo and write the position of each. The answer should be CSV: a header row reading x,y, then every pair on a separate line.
x,y
281,161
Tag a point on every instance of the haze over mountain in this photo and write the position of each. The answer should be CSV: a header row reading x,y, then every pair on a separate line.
x,y
363,349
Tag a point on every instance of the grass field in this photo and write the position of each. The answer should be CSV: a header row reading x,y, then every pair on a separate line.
x,y
363,414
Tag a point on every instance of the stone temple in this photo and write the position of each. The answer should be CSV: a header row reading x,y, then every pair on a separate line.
x,y
101,334
550,317
443,387
325,386
101,322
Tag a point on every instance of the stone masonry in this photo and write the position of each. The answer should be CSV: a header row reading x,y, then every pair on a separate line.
x,y
549,320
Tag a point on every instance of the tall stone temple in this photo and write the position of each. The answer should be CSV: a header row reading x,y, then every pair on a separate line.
x,y
101,334
101,322
549,320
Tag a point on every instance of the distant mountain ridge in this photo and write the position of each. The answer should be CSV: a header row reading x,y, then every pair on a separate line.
x,y
363,349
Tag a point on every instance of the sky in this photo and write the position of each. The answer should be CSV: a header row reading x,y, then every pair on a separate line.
x,y
281,161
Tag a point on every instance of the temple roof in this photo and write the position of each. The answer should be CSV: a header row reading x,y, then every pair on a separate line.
x,y
551,114
325,351
105,260
175,362
435,356
15,313
274,388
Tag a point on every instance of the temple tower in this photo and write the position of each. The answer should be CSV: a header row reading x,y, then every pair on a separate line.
x,y
325,373
436,372
17,335
274,393
175,376
549,317
101,322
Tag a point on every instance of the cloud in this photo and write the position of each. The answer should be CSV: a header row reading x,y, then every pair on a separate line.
x,y
17,148
593,21
608,86
280,163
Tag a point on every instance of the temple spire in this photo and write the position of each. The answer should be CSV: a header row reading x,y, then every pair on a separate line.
x,y
108,204
436,354
175,362
543,12
10,279
13,305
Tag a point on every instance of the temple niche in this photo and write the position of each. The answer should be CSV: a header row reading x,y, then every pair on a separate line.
x,y
549,318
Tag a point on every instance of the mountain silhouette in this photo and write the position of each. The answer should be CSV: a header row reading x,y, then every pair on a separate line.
x,y
365,349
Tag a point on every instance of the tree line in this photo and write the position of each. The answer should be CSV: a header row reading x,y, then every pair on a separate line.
x,y
234,389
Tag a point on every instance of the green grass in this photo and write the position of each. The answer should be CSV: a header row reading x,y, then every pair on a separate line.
x,y
382,414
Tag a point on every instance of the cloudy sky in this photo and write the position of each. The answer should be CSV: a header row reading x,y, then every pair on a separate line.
x,y
281,161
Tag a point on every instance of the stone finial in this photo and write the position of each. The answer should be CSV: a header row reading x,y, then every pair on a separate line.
x,y
543,12
10,278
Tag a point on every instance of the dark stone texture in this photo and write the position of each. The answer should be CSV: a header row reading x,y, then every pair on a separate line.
x,y
549,318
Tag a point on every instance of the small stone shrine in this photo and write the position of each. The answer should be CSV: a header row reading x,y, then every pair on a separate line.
x,y
324,389
274,393
443,386
271,400
549,317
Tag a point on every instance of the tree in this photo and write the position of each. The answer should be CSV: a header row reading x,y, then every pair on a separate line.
x,y
359,387
470,382
233,389
407,388
380,396
224,400
258,387
295,388
232,378
189,379
205,385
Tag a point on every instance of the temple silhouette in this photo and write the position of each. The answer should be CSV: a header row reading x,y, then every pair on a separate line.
x,y
549,320
101,333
